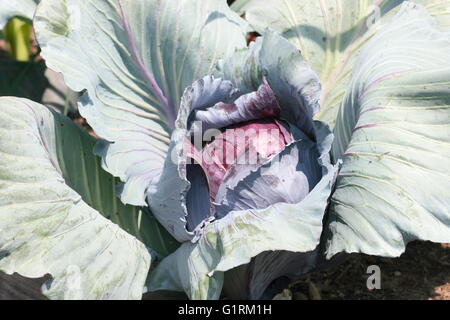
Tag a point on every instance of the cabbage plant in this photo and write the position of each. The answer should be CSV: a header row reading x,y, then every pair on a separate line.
x,y
235,164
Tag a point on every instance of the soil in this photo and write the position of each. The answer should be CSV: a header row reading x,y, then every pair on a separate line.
x,y
422,273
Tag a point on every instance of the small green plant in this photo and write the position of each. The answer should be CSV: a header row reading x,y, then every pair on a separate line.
x,y
17,34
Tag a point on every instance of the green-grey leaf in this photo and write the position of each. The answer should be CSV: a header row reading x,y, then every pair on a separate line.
x,y
330,35
16,8
135,58
82,172
240,6
47,181
393,133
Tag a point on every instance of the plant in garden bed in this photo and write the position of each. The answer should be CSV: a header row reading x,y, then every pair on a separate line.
x,y
155,75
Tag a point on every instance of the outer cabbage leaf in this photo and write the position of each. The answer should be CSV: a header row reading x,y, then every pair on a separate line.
x,y
240,6
98,189
330,35
16,8
393,133
50,188
134,58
